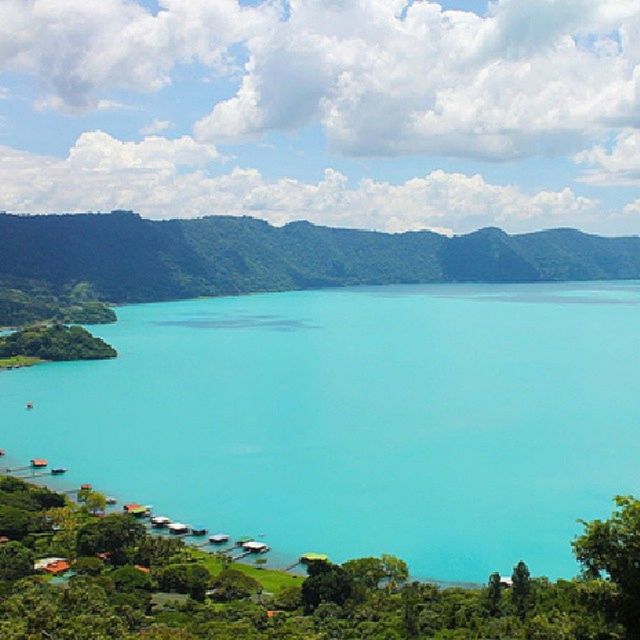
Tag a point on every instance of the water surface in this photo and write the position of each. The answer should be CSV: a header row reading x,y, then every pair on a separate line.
x,y
461,427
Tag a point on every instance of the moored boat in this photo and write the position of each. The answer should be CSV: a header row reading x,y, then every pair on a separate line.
x,y
58,471
219,538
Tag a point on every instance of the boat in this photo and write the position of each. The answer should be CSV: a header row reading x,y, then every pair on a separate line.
x,y
159,522
178,528
29,405
58,471
241,541
219,538
198,530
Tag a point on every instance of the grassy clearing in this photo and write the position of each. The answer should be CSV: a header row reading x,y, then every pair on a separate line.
x,y
272,580
15,362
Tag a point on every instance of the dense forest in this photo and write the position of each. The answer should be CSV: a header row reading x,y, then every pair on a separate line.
x,y
57,342
28,301
121,257
125,583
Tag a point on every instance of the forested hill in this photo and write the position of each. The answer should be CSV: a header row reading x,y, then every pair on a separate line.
x,y
125,258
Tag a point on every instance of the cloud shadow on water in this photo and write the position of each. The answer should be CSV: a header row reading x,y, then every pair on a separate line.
x,y
244,321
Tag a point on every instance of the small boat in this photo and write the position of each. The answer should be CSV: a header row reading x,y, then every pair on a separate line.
x,y
58,471
29,405
177,528
219,538
111,500
242,541
199,531
159,522
2,452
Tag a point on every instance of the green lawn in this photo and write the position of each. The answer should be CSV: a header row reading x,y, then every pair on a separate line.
x,y
18,361
272,580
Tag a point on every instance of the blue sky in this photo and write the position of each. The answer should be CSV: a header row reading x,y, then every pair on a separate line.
x,y
338,111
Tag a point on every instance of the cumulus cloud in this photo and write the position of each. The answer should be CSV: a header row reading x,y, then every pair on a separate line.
x,y
81,50
633,208
164,178
619,165
156,126
383,77
533,76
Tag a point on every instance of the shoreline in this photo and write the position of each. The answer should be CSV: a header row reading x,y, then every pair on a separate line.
x,y
199,546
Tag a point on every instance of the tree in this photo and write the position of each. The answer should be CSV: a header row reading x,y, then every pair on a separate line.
x,y
611,548
232,584
114,534
128,578
395,571
16,561
326,583
521,589
88,566
15,523
366,572
494,594
94,502
193,579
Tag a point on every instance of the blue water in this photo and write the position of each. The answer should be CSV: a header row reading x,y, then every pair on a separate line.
x,y
460,427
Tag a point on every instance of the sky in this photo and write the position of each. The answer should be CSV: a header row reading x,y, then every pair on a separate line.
x,y
392,115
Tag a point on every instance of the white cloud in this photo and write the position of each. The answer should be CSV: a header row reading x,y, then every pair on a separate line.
x,y
633,208
535,75
383,77
81,50
618,166
156,126
5,94
103,173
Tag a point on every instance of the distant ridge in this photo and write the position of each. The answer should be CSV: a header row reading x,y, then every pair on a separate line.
x,y
126,258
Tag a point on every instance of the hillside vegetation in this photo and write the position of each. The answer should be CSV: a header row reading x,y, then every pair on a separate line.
x,y
128,584
57,342
125,258
27,301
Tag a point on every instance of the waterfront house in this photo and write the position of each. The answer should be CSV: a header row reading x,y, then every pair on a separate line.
x,y
219,538
198,530
255,547
178,528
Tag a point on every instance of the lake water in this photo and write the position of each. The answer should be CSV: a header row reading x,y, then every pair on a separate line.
x,y
460,427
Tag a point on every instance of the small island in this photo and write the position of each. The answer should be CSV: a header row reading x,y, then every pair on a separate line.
x,y
58,342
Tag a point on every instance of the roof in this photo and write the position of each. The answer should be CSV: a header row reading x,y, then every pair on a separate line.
x,y
311,557
131,506
39,462
252,544
178,525
43,563
61,566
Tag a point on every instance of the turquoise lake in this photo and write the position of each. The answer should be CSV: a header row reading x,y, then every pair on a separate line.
x,y
460,427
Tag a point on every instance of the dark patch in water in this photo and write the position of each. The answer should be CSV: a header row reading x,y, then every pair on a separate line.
x,y
257,321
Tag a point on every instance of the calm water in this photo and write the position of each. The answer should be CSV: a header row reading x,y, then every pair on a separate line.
x,y
460,427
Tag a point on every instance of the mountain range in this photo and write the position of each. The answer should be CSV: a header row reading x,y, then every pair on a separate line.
x,y
123,258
